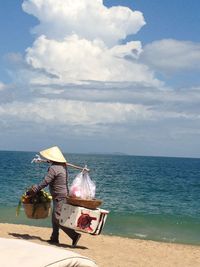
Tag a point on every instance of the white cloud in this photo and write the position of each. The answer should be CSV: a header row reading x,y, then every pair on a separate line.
x,y
70,47
84,81
89,19
66,112
172,55
154,106
75,59
2,86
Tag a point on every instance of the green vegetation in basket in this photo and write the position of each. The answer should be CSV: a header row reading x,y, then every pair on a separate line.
x,y
36,200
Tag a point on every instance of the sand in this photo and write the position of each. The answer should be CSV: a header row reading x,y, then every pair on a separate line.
x,y
113,251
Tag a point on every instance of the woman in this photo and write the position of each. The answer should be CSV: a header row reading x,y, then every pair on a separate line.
x,y
57,180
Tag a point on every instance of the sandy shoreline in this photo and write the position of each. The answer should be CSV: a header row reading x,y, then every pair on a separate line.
x,y
114,251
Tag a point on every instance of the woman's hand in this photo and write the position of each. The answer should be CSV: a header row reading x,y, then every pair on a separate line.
x,y
31,192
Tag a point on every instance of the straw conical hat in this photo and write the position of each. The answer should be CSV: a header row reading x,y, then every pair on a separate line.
x,y
54,154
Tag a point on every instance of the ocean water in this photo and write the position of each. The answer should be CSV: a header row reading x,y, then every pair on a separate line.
x,y
153,198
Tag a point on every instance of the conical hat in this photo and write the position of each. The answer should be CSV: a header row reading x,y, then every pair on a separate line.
x,y
54,154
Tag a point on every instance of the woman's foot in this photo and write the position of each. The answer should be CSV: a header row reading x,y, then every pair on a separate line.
x,y
53,241
75,240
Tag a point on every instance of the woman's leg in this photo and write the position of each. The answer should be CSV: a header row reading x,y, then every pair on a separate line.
x,y
55,222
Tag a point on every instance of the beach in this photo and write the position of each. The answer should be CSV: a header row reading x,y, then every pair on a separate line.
x,y
112,250
148,198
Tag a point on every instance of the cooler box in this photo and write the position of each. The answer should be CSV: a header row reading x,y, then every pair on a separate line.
x,y
83,219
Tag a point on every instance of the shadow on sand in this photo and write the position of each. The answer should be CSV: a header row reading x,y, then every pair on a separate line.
x,y
32,237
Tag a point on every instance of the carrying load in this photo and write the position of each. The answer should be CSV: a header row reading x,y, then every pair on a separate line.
x,y
37,206
82,192
81,212
82,186
76,210
90,221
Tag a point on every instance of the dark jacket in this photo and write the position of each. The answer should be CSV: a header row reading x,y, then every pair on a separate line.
x,y
57,179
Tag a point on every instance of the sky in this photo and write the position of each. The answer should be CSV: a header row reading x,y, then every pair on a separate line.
x,y
95,76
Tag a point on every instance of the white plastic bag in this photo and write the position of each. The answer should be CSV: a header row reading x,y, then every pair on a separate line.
x,y
83,186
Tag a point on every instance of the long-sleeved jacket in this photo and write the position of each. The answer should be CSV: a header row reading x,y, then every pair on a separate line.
x,y
57,179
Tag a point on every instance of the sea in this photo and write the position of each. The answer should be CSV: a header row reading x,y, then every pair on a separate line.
x,y
149,198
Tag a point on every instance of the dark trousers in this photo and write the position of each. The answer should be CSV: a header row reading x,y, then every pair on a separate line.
x,y
57,205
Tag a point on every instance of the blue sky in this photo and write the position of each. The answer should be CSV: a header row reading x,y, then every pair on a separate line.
x,y
93,76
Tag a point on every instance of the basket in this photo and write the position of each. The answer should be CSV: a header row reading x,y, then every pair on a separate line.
x,y
40,211
86,203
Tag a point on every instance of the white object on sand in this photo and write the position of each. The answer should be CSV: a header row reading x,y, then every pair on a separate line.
x,y
21,253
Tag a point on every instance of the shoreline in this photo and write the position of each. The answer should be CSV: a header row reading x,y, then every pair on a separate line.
x,y
113,250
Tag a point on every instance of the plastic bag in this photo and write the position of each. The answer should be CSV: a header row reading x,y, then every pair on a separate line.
x,y
83,187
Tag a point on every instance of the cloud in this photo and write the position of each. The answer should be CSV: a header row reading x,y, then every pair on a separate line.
x,y
67,17
76,60
171,55
158,106
69,47
84,82
2,86
69,112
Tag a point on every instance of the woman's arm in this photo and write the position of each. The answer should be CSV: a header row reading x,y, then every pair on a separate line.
x,y
50,176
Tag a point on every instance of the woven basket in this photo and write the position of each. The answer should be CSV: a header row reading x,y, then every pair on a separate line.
x,y
86,203
40,212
